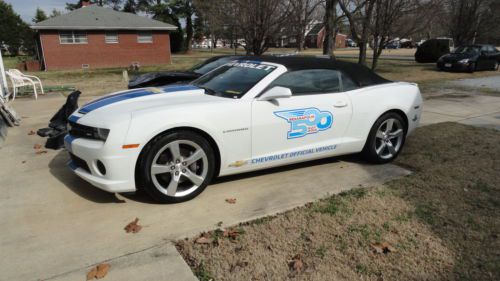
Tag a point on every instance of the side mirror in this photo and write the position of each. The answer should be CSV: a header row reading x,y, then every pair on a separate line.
x,y
276,93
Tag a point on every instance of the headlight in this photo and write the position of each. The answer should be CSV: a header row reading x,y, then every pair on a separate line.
x,y
102,134
464,61
82,131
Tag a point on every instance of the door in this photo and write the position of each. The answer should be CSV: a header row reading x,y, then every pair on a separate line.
x,y
308,125
484,61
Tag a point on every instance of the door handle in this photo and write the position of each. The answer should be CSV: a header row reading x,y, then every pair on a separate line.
x,y
340,104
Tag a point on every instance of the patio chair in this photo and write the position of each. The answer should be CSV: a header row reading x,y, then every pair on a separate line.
x,y
19,79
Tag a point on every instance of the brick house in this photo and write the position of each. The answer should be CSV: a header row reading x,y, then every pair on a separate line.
x,y
316,36
96,37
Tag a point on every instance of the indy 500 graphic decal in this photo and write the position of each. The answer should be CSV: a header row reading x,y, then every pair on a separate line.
x,y
306,121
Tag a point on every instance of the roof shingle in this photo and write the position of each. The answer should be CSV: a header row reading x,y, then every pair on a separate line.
x,y
98,18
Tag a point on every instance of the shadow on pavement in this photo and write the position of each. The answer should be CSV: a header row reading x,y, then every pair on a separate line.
x,y
59,169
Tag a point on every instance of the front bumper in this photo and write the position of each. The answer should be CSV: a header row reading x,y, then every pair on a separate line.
x,y
120,165
453,66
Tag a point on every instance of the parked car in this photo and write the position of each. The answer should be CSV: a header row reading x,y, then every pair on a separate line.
x,y
350,43
154,79
471,58
394,44
247,115
420,42
406,43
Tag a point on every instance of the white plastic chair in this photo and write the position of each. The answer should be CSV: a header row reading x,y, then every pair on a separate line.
x,y
18,80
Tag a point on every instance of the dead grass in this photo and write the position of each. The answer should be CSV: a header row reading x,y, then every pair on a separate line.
x,y
443,222
104,81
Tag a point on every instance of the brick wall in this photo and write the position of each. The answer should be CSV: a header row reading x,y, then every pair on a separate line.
x,y
98,54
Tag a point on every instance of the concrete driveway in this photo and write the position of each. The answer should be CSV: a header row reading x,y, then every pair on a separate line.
x,y
468,101
55,225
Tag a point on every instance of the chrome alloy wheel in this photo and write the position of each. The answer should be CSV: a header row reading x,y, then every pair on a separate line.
x,y
179,168
389,138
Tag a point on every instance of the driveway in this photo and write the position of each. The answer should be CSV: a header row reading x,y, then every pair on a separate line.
x,y
467,101
55,225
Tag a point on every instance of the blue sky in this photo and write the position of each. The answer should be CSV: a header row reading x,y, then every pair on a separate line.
x,y
26,8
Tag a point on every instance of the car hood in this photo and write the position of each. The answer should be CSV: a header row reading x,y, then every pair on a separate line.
x,y
452,57
138,80
115,106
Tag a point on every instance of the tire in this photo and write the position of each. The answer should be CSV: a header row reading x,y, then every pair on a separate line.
x,y
184,164
496,66
472,67
383,143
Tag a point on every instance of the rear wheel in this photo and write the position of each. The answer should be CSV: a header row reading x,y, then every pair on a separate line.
x,y
176,167
386,138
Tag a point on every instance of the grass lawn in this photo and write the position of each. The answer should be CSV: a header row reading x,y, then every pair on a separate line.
x,y
440,223
103,81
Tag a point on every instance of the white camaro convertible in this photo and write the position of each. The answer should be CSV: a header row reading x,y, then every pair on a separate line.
x,y
250,114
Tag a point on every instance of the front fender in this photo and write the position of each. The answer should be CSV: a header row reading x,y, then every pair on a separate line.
x,y
144,128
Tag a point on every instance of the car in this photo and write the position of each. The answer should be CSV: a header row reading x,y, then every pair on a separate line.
x,y
350,43
394,44
406,44
250,114
470,58
154,79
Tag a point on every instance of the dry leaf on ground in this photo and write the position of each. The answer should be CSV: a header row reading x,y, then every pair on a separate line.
x,y
37,146
232,233
133,226
296,263
382,248
41,152
204,240
102,270
31,133
231,200
92,273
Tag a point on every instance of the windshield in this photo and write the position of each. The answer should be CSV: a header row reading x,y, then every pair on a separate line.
x,y
466,49
234,79
210,64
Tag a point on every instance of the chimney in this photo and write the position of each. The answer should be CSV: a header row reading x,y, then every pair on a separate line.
x,y
85,3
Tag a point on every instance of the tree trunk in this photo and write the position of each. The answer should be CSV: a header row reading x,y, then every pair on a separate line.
x,y
364,32
329,23
189,34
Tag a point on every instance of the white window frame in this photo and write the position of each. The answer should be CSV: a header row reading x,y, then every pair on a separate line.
x,y
74,36
111,37
141,35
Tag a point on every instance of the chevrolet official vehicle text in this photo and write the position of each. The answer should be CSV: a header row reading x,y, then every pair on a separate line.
x,y
249,114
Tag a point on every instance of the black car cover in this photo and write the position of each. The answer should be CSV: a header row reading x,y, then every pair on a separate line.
x,y
58,126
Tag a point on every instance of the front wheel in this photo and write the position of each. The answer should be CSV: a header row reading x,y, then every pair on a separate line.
x,y
472,67
176,167
386,139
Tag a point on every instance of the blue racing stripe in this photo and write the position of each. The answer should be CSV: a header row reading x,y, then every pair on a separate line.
x,y
130,95
73,118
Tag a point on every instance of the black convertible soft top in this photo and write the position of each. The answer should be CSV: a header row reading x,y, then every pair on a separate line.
x,y
361,74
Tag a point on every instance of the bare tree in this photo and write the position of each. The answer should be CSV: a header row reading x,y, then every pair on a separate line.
x,y
302,12
359,14
215,16
398,18
259,21
466,18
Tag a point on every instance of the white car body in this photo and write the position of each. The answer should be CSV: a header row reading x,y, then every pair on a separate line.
x,y
249,134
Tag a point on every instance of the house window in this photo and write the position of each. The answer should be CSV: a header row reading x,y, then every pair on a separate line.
x,y
73,37
111,37
144,37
